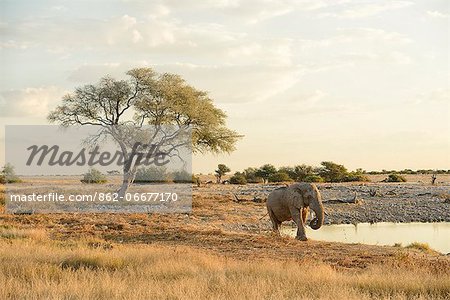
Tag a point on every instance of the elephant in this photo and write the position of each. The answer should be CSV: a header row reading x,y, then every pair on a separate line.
x,y
292,203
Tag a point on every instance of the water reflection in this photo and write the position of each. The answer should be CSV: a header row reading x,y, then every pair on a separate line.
x,y
436,235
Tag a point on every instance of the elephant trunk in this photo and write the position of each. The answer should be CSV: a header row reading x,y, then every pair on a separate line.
x,y
317,207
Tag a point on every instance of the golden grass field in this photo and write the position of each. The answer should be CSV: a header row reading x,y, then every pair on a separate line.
x,y
202,255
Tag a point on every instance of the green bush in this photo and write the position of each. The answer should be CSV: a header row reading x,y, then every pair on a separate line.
x,y
251,177
152,174
279,177
395,178
238,178
182,176
8,175
313,178
355,176
332,172
94,176
265,172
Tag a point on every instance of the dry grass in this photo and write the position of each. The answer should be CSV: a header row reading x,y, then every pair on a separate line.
x,y
14,233
2,195
33,268
216,252
445,197
421,247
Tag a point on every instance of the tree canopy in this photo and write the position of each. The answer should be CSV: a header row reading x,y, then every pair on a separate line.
x,y
148,98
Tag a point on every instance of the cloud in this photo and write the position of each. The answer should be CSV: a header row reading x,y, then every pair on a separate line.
x,y
393,57
29,101
371,34
360,9
437,14
440,95
238,84
12,44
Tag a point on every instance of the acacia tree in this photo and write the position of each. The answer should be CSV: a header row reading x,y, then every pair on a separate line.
x,y
265,172
221,170
147,99
332,172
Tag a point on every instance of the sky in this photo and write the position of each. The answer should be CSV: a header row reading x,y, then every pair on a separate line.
x,y
364,83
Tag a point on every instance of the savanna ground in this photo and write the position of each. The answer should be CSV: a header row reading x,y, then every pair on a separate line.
x,y
222,250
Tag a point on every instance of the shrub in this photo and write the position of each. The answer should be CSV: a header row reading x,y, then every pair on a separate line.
x,y
251,177
152,174
8,175
221,171
355,176
395,178
302,171
421,247
2,197
313,178
94,176
238,178
196,180
279,177
290,171
332,172
183,176
265,172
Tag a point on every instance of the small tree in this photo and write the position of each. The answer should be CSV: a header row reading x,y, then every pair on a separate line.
x,y
152,174
221,171
290,171
265,171
332,172
238,178
358,175
8,175
251,177
313,178
182,176
395,178
279,177
94,176
302,172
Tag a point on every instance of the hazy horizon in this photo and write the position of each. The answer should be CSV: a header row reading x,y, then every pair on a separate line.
x,y
365,84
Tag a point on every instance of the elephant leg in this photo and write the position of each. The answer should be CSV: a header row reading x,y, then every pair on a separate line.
x,y
305,211
296,216
275,222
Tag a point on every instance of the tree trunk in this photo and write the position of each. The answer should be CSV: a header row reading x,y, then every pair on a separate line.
x,y
127,180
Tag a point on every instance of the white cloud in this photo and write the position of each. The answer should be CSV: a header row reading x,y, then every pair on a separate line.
x,y
238,84
128,22
91,73
29,101
159,10
371,34
393,57
440,95
360,9
437,14
12,44
58,8
136,36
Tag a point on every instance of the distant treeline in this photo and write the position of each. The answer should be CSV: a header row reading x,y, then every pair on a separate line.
x,y
409,171
327,172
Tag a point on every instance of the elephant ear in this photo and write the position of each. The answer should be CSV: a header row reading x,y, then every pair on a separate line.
x,y
295,197
305,193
